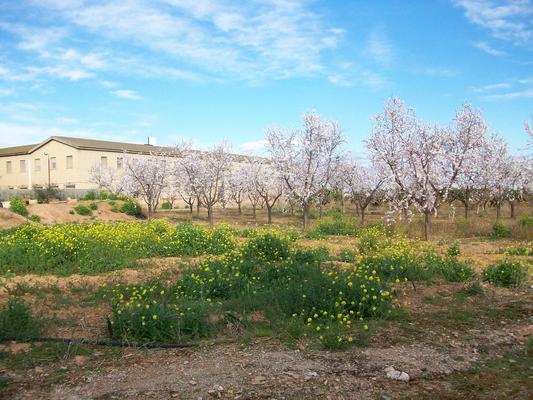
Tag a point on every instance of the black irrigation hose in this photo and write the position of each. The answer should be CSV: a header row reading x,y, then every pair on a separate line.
x,y
111,343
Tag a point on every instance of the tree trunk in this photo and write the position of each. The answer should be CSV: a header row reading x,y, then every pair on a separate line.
x,y
357,209
511,203
343,206
198,204
269,215
254,211
498,210
320,211
363,209
190,209
427,224
210,214
306,215
239,207
466,209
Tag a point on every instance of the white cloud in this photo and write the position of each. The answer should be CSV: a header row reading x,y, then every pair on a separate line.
x,y
126,94
520,94
510,20
253,146
489,49
6,91
254,41
439,72
491,87
379,46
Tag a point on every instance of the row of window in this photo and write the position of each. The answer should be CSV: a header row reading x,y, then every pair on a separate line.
x,y
53,164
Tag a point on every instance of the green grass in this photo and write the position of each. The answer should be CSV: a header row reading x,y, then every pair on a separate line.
x,y
17,322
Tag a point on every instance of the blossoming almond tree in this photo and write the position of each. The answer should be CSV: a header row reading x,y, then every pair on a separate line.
x,y
266,183
306,159
208,172
363,184
147,178
108,178
423,160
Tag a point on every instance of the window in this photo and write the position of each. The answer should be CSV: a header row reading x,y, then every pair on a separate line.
x,y
37,164
69,162
22,165
70,186
103,161
9,167
53,163
119,162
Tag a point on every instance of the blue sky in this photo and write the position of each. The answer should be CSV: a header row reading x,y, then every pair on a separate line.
x,y
210,70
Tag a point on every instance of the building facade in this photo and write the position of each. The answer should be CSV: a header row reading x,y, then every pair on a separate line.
x,y
64,162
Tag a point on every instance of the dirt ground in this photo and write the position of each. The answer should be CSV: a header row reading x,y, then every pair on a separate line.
x,y
451,344
9,219
436,353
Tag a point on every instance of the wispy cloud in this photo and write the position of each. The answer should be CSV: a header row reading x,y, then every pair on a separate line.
x,y
510,20
263,39
491,87
489,49
379,46
439,72
126,94
521,94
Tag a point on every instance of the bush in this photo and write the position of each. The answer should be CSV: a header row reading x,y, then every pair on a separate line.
x,y
454,250
153,314
454,270
500,231
44,195
526,221
82,210
347,255
93,206
90,195
17,322
520,249
34,218
335,224
506,274
18,206
131,207
267,246
166,206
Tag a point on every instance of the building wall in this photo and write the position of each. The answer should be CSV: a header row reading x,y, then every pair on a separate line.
x,y
75,177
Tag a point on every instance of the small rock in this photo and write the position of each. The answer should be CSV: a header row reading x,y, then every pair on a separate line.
x,y
393,373
258,380
383,397
193,382
311,373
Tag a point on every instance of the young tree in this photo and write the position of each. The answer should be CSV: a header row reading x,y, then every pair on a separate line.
x,y
208,172
148,177
423,160
266,183
107,177
306,159
363,184
237,184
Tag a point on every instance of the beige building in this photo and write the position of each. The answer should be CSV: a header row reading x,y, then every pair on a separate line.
x,y
63,162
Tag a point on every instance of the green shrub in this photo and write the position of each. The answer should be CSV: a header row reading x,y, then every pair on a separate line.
x,y
526,221
166,206
506,274
90,195
267,246
454,250
82,210
72,212
17,322
34,218
336,224
153,314
45,194
347,255
18,206
454,270
500,231
93,206
131,207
